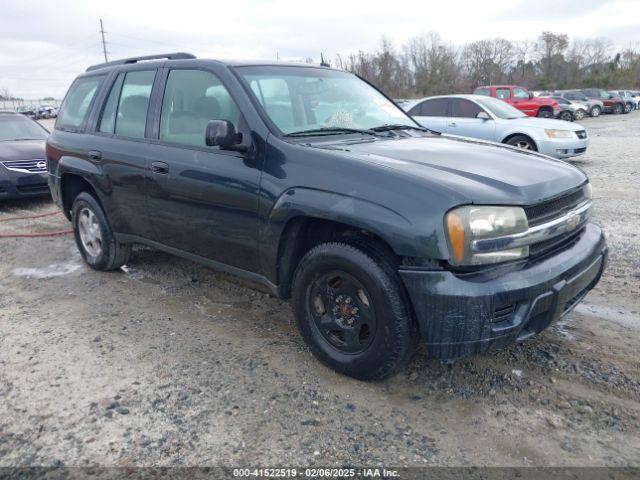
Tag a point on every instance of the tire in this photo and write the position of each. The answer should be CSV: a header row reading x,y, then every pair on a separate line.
x,y
544,113
94,237
595,111
628,107
566,115
618,108
522,141
352,311
580,114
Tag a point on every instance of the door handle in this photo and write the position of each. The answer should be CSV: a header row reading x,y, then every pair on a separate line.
x,y
94,155
160,168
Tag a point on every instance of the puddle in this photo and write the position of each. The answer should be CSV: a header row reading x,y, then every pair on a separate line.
x,y
138,275
617,315
54,270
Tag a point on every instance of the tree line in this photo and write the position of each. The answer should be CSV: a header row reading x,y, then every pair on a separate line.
x,y
427,65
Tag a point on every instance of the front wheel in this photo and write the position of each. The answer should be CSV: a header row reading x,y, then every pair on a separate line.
x,y
618,108
596,111
628,107
523,142
580,114
566,115
94,236
352,311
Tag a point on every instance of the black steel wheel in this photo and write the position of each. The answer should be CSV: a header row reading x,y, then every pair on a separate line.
x,y
618,108
351,309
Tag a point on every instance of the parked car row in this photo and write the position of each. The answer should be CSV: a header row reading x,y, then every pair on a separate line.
x,y
37,113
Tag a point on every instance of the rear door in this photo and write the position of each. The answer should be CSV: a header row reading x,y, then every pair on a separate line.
x,y
202,200
432,113
464,120
121,146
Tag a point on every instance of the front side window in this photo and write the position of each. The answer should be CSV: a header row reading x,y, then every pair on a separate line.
x,y
191,99
503,93
75,107
462,108
520,93
298,99
500,109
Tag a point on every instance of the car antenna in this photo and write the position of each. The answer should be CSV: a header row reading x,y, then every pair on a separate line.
x,y
322,62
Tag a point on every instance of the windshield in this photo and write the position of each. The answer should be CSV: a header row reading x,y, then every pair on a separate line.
x,y
499,108
17,127
298,99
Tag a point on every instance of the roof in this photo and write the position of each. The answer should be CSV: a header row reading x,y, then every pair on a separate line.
x,y
468,96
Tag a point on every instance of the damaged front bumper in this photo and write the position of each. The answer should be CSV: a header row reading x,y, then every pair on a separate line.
x,y
464,314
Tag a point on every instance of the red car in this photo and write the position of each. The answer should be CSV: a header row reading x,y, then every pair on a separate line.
x,y
522,99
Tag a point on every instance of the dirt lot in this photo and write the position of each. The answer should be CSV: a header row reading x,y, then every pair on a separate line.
x,y
170,363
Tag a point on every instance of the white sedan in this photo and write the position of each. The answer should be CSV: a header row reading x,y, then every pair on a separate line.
x,y
486,118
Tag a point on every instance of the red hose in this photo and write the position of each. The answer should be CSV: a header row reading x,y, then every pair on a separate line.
x,y
25,217
34,235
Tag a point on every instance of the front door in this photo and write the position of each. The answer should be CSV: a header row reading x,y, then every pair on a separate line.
x,y
464,121
202,200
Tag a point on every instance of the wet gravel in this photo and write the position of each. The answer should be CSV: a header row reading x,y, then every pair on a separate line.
x,y
169,363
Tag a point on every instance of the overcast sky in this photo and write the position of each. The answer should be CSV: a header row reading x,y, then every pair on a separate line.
x,y
44,44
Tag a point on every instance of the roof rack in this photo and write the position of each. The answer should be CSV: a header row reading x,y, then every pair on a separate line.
x,y
125,61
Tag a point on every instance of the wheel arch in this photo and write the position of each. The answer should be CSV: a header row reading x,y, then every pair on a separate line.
x,y
519,134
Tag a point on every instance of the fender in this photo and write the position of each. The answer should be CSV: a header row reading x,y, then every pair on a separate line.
x,y
391,226
88,171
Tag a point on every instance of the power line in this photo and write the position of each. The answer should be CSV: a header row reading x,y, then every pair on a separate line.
x,y
104,44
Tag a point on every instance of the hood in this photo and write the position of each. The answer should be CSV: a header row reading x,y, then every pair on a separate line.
x,y
537,122
473,171
22,150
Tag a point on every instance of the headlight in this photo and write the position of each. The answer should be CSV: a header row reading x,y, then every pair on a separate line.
x,y
469,223
558,133
588,191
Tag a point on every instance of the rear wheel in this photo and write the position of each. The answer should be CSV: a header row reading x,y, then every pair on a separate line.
x,y
596,111
566,115
618,108
545,113
352,311
94,236
580,114
523,142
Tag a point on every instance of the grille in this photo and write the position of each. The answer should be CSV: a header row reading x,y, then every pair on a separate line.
x,y
36,187
37,165
502,313
580,150
581,134
545,211
554,244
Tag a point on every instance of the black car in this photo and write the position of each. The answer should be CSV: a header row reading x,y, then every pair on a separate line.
x,y
23,170
313,183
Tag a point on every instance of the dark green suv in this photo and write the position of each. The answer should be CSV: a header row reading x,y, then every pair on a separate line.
x,y
314,184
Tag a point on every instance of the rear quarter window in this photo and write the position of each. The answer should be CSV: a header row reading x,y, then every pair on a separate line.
x,y
482,91
76,105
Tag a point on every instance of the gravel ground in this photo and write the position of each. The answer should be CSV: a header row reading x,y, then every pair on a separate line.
x,y
169,363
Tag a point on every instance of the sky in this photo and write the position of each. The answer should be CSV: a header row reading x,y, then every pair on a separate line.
x,y
45,44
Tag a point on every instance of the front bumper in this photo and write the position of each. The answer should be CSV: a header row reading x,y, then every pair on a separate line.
x,y
563,148
21,184
464,314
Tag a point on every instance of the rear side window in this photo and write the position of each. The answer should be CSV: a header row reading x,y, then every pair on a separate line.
x,y
482,91
191,99
125,112
75,108
433,108
503,93
462,108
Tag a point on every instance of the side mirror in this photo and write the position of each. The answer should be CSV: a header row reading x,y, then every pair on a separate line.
x,y
483,115
610,96
222,133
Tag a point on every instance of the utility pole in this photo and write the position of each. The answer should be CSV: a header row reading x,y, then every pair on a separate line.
x,y
104,44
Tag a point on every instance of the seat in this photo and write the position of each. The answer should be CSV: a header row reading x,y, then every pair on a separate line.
x,y
132,116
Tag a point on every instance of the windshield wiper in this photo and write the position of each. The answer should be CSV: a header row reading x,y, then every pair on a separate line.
x,y
329,131
399,126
